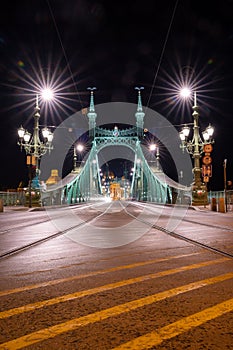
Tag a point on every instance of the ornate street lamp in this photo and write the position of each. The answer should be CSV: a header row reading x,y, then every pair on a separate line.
x,y
196,147
35,148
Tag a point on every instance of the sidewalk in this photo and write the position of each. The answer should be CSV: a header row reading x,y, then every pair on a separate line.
x,y
17,208
208,208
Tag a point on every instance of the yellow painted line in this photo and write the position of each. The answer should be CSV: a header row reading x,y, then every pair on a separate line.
x,y
149,340
93,273
81,294
99,316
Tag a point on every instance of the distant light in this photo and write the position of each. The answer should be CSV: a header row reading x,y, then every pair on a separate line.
x,y
47,94
20,64
153,147
80,147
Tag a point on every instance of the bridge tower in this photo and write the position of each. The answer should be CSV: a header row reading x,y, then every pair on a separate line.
x,y
92,114
139,115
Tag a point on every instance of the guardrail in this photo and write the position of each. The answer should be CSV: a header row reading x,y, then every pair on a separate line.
x,y
218,195
12,198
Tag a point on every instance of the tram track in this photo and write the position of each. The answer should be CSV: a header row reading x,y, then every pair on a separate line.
x,y
190,221
92,219
183,238
17,250
19,227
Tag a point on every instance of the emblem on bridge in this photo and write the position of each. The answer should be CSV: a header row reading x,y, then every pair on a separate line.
x,y
115,131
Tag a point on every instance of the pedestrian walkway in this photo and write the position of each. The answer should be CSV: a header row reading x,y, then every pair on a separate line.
x,y
207,208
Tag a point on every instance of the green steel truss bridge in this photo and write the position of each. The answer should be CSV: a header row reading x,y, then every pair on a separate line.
x,y
149,182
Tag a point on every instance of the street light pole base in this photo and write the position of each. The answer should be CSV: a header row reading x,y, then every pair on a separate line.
x,y
33,199
199,195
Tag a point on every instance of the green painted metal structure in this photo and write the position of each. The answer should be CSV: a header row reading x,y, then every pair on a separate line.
x,y
149,183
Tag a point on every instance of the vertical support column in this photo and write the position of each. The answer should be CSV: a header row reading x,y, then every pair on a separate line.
x,y
199,191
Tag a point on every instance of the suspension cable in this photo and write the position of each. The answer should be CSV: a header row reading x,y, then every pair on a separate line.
x,y
63,50
162,54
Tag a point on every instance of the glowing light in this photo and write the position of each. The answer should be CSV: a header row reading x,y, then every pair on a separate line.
x,y
186,131
185,92
210,130
51,75
47,94
80,147
153,147
177,77
20,64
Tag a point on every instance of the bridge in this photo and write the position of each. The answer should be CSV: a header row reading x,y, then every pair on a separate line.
x,y
148,181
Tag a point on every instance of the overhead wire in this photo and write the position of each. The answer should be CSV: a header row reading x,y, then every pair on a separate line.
x,y
160,59
162,54
63,50
159,63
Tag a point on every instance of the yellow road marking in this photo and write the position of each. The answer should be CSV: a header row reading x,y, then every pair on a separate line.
x,y
149,340
100,272
99,316
81,294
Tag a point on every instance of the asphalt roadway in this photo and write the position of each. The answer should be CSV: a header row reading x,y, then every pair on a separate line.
x,y
143,289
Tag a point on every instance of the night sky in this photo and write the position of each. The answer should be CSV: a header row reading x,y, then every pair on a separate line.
x,y
115,46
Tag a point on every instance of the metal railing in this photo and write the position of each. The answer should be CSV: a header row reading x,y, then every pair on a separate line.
x,y
12,198
228,197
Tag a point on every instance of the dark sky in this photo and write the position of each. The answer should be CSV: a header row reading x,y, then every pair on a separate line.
x,y
115,46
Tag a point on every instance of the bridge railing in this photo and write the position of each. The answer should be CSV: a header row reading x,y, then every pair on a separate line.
x,y
12,198
221,194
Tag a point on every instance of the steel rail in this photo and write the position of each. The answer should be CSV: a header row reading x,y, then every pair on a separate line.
x,y
179,236
157,227
17,250
80,206
187,220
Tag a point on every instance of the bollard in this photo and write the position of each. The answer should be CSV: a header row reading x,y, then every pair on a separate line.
x,y
214,204
1,205
221,205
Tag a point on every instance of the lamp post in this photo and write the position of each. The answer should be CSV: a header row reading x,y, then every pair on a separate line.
x,y
153,147
35,148
196,147
225,182
79,147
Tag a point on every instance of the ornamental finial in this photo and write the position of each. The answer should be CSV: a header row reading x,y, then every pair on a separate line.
x,y
139,108
92,106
